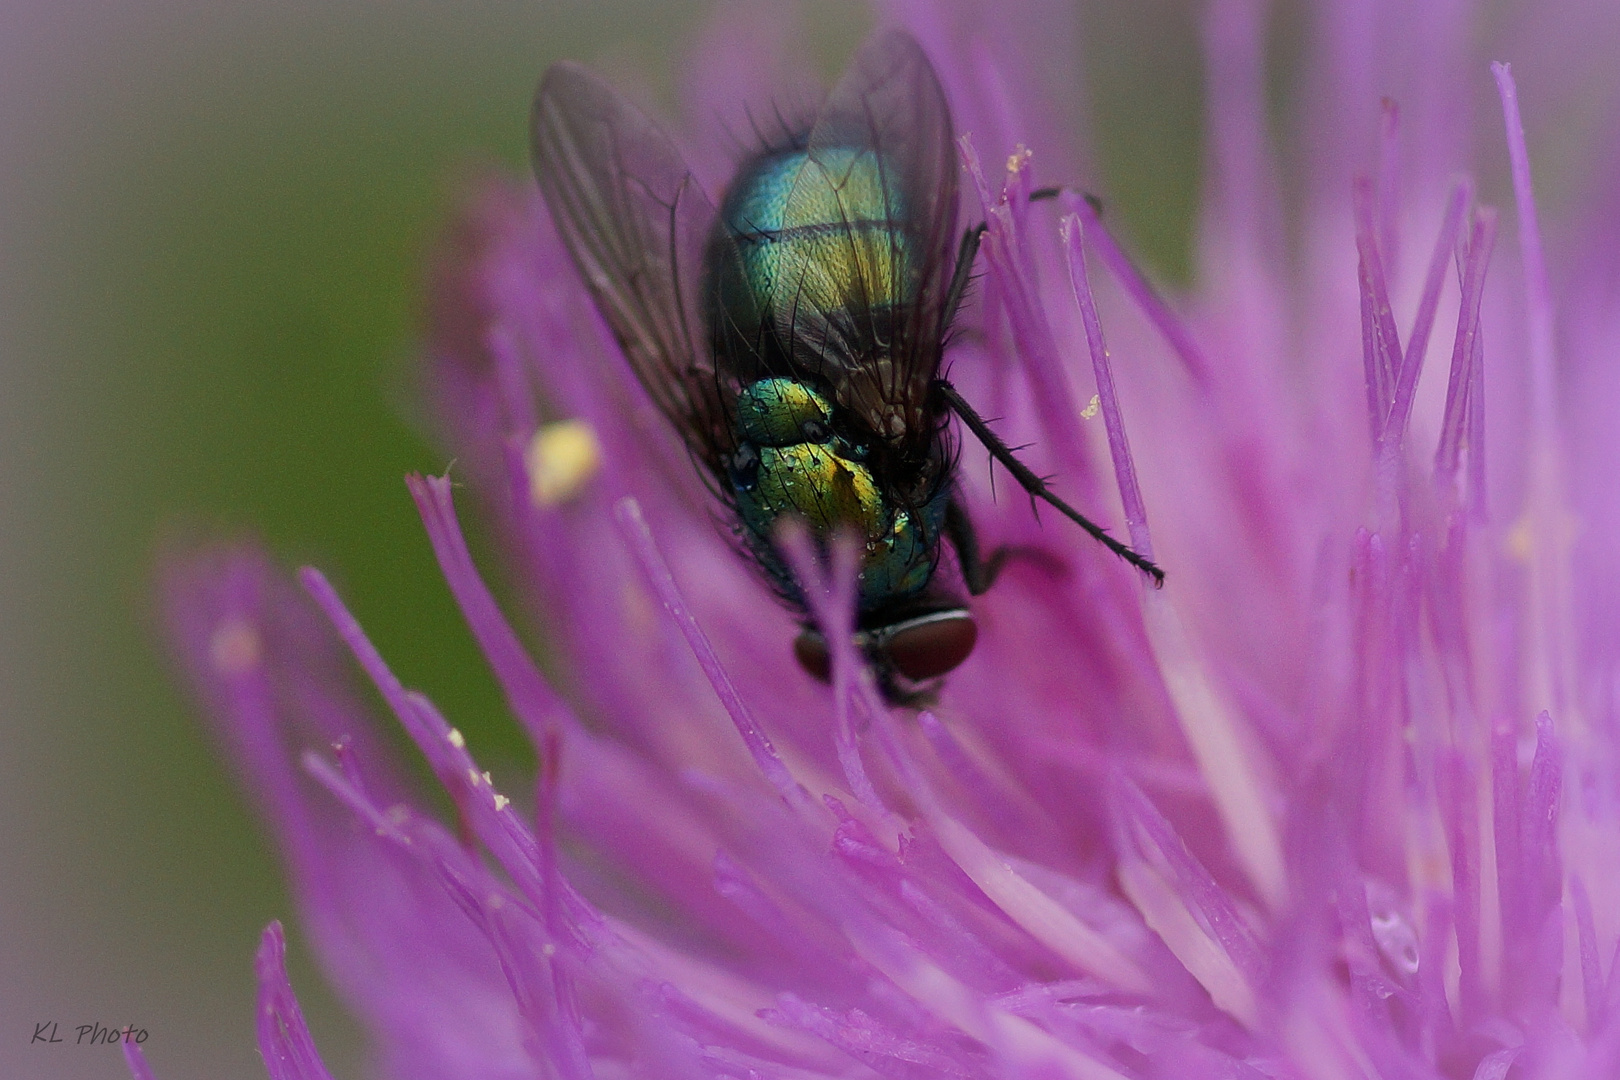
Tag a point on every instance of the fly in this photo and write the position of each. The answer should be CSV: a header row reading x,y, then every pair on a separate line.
x,y
793,336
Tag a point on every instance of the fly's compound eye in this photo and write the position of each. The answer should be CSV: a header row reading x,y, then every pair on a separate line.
x,y
917,650
810,650
928,646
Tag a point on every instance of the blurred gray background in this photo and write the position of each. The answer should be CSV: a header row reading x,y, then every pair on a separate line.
x,y
213,223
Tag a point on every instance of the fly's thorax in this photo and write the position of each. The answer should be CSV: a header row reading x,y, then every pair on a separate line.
x,y
792,460
783,412
868,391
789,461
811,481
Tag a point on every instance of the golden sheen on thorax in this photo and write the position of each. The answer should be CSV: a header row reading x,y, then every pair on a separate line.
x,y
790,462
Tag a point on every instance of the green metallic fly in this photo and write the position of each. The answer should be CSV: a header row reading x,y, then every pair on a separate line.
x,y
794,337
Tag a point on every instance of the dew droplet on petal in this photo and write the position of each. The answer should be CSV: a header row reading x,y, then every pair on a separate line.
x,y
1394,934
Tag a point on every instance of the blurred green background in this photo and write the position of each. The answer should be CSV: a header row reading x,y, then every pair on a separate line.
x,y
214,219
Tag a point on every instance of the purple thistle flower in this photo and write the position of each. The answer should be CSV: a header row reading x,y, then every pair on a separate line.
x,y
1339,801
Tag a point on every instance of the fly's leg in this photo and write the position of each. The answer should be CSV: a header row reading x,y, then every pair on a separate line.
x,y
968,251
1092,201
978,573
1034,485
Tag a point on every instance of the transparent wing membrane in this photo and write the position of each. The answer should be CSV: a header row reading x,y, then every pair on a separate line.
x,y
636,222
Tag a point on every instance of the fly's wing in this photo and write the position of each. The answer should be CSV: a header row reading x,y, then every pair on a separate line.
x,y
867,312
635,220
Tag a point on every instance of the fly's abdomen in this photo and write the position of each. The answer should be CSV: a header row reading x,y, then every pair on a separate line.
x,y
789,462
820,241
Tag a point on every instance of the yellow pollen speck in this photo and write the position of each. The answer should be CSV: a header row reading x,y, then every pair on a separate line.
x,y
501,802
472,775
1092,408
234,647
1518,539
488,781
560,458
456,739
1557,531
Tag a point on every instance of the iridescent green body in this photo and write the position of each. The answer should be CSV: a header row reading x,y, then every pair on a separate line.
x,y
814,240
816,236
793,336
789,461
